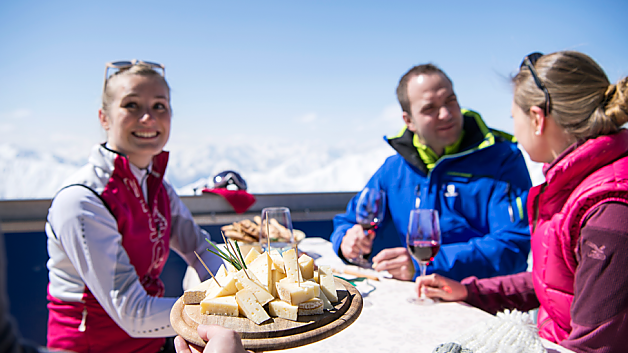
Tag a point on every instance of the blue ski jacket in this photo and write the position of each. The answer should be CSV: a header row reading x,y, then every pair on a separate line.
x,y
479,192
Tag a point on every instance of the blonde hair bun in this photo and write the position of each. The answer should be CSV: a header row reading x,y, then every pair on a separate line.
x,y
616,102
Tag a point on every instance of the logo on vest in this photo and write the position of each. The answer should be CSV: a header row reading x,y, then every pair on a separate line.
x,y
596,252
451,191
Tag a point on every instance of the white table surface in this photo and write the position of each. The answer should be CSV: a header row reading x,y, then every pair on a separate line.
x,y
388,323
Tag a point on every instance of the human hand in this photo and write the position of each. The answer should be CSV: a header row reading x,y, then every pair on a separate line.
x,y
219,340
397,261
355,242
437,286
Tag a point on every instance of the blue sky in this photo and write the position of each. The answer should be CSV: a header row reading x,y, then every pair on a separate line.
x,y
318,71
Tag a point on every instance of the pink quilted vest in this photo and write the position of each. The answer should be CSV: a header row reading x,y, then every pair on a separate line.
x,y
593,173
145,229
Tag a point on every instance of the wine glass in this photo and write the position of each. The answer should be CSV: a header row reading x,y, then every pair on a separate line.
x,y
423,242
276,229
369,213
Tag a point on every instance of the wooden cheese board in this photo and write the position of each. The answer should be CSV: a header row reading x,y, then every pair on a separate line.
x,y
276,333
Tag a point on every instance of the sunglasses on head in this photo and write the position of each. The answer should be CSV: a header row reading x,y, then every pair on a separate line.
x,y
229,180
529,61
123,65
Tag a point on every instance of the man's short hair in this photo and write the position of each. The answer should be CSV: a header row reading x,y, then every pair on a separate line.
x,y
402,88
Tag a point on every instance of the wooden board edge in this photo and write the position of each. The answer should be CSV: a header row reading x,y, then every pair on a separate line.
x,y
179,325
190,334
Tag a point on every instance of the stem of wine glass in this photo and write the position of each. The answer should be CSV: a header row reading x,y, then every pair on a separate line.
x,y
423,268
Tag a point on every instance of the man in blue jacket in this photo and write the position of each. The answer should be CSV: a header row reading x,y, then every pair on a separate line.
x,y
448,160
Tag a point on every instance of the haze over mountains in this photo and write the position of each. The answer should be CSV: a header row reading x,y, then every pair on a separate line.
x,y
267,167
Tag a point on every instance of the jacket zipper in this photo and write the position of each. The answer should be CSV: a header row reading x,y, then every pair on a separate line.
x,y
510,211
536,208
83,325
544,323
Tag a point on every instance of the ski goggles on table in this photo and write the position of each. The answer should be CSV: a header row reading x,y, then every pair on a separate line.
x,y
529,61
229,180
122,65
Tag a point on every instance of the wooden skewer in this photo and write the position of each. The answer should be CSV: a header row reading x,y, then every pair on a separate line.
x,y
356,273
296,250
267,234
210,272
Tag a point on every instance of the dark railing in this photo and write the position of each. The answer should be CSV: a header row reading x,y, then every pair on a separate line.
x,y
23,224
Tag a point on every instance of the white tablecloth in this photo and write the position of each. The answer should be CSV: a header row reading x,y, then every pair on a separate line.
x,y
388,323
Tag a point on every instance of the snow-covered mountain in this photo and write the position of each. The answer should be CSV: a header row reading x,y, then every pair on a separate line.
x,y
267,167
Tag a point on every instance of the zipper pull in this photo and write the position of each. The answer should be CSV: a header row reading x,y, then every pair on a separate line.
x,y
82,326
417,200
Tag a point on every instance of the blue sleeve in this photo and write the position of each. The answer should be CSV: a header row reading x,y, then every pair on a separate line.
x,y
505,248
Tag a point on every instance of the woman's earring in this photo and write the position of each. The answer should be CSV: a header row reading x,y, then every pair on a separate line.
x,y
537,132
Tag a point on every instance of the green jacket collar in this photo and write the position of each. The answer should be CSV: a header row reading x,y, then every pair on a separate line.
x,y
476,136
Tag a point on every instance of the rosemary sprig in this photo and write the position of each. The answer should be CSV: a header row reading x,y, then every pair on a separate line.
x,y
232,250
240,253
220,253
230,256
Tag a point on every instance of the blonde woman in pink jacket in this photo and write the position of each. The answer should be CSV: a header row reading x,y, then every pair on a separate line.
x,y
569,116
112,225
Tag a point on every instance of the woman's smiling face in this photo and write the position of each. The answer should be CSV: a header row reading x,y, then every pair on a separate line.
x,y
137,120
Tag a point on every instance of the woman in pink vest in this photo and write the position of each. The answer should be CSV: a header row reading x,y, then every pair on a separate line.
x,y
112,225
569,116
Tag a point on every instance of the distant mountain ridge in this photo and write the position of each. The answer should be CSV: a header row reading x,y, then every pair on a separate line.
x,y
267,167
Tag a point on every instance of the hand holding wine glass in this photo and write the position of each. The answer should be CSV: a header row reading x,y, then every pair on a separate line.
x,y
443,288
423,242
369,213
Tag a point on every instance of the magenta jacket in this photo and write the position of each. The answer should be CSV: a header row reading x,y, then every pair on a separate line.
x,y
579,227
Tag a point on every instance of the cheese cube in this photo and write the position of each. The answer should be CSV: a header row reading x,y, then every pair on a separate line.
x,y
227,287
192,295
327,282
306,265
315,286
252,255
222,272
294,294
249,275
277,276
252,285
261,268
279,308
250,307
277,260
226,306
313,306
326,303
197,293
293,272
